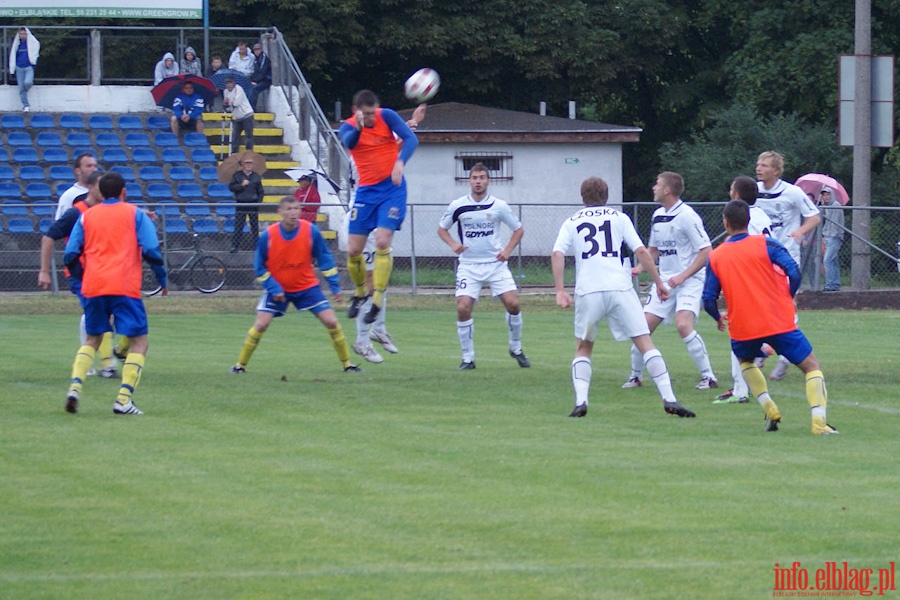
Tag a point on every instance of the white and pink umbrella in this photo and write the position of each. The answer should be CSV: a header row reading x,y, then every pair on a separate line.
x,y
812,183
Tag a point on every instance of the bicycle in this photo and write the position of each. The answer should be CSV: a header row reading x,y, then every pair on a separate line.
x,y
202,271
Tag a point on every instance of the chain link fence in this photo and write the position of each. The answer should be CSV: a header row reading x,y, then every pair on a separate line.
x,y
422,260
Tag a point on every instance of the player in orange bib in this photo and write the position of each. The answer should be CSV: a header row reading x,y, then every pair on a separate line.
x,y
380,202
286,256
761,310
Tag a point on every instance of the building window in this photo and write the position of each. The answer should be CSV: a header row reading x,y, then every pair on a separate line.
x,y
499,165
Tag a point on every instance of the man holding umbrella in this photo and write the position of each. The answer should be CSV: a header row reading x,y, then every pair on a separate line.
x,y
241,114
187,110
248,192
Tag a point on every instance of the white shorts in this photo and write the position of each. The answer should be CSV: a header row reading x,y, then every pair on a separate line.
x,y
471,276
687,296
622,310
369,252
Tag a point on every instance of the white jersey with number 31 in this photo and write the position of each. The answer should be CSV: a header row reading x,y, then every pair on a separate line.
x,y
596,234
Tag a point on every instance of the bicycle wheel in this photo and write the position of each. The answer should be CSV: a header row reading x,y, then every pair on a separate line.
x,y
208,274
149,285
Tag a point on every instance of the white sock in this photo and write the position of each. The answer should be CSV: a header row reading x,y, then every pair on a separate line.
x,y
362,328
740,389
581,379
465,330
514,324
379,320
697,349
657,369
637,362
82,331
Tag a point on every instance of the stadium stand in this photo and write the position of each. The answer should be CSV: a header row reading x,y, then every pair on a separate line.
x,y
225,208
205,226
114,155
126,172
108,140
25,155
44,225
49,138
10,190
7,173
14,208
158,191
76,152
203,155
168,208
20,225
4,155
189,191
31,173
208,174
137,139
42,122
55,155
176,225
133,191
62,187
38,190
195,139
166,139
197,208
145,155
19,138
158,122
12,122
153,173
130,122
43,208
60,173
78,138
174,155
228,226
181,174
218,190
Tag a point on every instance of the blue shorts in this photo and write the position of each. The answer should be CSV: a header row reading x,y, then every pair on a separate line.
x,y
75,288
311,299
131,318
379,205
792,345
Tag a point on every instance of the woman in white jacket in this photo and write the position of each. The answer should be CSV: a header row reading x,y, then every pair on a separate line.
x,y
167,67
23,56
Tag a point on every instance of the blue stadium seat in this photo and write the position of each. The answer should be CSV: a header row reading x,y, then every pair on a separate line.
x,y
197,208
159,191
218,190
71,122
42,122
152,174
139,203
20,225
19,138
76,152
136,139
166,139
62,187
130,122
205,226
48,138
108,139
61,173
38,190
127,173
225,208
176,226
43,208
203,155
44,225
12,122
10,190
56,155
181,174
7,173
187,191
228,226
168,208
4,155
145,155
78,138
114,155
25,155
208,174
158,122
195,138
100,122
31,173
173,155
133,191
14,208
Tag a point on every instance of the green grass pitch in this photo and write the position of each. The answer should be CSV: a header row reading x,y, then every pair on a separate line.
x,y
414,480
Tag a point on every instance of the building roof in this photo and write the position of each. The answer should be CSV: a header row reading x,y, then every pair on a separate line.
x,y
457,122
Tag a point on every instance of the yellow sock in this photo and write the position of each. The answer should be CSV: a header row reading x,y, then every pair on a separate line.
x,y
756,381
356,269
250,344
816,396
131,376
339,343
384,263
83,361
105,350
123,346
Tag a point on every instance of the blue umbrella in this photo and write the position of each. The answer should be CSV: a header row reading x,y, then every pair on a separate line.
x,y
219,77
168,89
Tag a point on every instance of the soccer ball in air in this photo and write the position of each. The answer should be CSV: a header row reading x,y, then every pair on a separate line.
x,y
422,85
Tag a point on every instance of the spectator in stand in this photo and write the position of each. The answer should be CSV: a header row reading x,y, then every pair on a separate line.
x,y
165,68
247,188
215,65
308,195
241,114
23,56
241,60
190,64
187,110
261,80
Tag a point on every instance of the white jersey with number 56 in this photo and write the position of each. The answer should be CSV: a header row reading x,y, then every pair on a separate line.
x,y
596,234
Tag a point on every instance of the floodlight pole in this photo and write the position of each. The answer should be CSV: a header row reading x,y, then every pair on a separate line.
x,y
860,265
